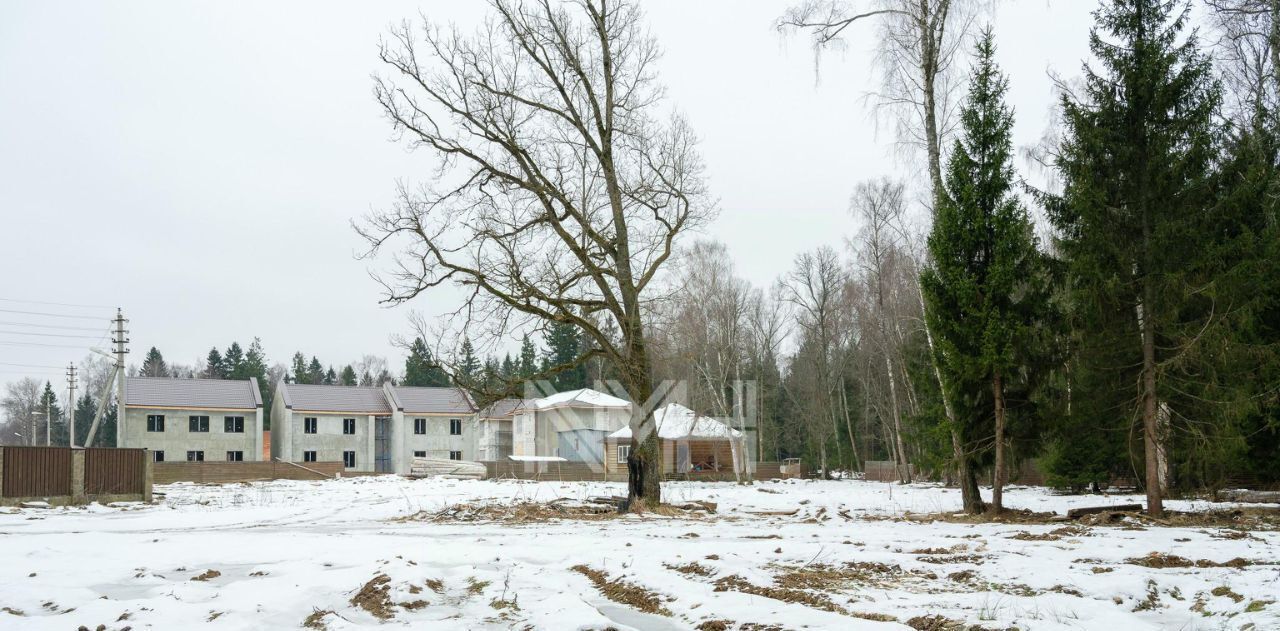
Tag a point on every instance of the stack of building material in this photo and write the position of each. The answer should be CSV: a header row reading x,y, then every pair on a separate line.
x,y
445,468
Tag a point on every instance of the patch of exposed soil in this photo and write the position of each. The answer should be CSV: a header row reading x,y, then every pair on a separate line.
x,y
941,623
621,591
535,512
736,583
694,568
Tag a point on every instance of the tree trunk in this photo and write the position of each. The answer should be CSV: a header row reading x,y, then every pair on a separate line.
x,y
970,496
853,442
904,471
1150,407
997,488
644,464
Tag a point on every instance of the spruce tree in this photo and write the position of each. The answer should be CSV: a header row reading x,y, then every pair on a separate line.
x,y
299,368
528,363
1136,162
421,368
564,346
348,377
233,360
330,377
154,365
213,367
315,372
49,404
986,291
468,363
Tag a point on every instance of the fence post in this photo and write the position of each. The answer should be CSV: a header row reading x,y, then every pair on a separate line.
x,y
77,477
148,476
1,471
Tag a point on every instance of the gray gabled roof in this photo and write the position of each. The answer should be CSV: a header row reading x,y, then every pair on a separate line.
x,y
192,393
503,408
348,399
419,400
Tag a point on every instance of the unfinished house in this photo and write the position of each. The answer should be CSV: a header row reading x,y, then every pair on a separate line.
x,y
351,424
690,442
372,429
494,428
571,425
433,423
192,419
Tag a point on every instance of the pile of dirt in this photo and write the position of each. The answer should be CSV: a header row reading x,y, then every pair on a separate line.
x,y
207,575
374,597
1056,534
694,568
941,623
621,591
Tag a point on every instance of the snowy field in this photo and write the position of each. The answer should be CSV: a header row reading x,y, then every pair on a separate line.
x,y
287,554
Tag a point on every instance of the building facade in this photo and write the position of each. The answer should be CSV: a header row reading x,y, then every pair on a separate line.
x,y
192,419
371,429
570,425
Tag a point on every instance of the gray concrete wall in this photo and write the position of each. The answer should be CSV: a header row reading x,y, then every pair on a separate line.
x,y
551,422
437,442
176,439
328,442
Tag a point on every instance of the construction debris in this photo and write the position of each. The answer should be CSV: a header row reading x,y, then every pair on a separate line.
x,y
443,467
1077,513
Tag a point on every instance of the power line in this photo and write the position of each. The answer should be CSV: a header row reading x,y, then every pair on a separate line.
x,y
56,304
86,337
55,326
38,344
51,315
30,365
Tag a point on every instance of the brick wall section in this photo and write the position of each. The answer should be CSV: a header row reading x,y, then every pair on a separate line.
x,y
227,472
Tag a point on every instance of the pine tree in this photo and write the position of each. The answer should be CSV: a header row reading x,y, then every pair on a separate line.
x,y
348,377
367,379
154,365
213,368
330,377
1137,167
986,291
508,369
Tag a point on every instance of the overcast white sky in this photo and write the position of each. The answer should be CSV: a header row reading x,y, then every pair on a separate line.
x,y
198,163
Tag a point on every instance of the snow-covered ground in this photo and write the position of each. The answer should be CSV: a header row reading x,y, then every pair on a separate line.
x,y
285,552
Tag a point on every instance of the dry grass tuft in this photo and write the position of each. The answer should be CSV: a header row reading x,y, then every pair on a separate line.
x,y
620,591
373,597
1227,592
316,619
208,575
694,568
1160,560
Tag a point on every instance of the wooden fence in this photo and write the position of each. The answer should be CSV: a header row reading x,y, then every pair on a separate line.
x,y
36,472
227,472
63,475
114,471
884,471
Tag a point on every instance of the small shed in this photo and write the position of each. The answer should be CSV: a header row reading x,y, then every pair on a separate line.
x,y
690,442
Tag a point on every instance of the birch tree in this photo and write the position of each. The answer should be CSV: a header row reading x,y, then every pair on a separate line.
x,y
561,189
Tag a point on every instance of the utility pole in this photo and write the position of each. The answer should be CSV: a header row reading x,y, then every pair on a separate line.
x,y
119,339
71,400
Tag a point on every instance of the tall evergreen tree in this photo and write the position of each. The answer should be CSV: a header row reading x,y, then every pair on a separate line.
x,y
564,346
232,360
315,371
49,406
154,365
1136,162
528,363
213,366
468,364
986,292
330,377
421,369
299,368
348,377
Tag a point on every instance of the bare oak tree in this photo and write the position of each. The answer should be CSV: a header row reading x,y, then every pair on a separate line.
x,y
561,188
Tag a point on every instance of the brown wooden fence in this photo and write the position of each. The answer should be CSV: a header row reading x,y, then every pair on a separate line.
x,y
114,471
36,471
583,472
226,472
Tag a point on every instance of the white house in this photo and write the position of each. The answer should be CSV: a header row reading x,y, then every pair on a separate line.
x,y
571,425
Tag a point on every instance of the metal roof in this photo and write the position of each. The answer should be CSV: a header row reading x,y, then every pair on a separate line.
x,y
192,393
441,400
584,398
503,408
319,398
